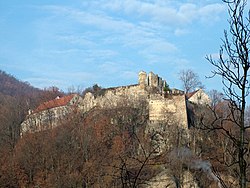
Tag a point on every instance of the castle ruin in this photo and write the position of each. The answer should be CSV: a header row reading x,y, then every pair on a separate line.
x,y
162,103
151,81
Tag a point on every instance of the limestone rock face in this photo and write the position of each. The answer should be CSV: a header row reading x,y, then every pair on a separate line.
x,y
163,180
161,108
50,114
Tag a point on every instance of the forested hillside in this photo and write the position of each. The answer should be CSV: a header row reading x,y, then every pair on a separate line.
x,y
11,86
16,97
113,147
108,148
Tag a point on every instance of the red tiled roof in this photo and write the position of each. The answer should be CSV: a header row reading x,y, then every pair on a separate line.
x,y
54,103
189,95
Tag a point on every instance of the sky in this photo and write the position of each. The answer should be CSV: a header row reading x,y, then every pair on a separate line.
x,y
79,43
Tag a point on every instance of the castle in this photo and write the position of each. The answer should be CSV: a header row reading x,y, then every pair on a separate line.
x,y
151,88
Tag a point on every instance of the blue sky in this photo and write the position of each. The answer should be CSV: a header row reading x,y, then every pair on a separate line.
x,y
68,43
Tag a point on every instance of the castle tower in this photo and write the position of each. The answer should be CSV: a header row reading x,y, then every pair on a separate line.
x,y
164,84
160,82
156,80
152,80
142,79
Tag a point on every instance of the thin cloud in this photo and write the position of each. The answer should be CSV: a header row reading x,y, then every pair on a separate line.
x,y
166,13
100,36
42,83
86,79
76,40
211,13
180,32
110,67
123,32
129,75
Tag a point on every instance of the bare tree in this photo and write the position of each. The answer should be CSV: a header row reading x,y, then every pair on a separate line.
x,y
190,80
216,97
233,67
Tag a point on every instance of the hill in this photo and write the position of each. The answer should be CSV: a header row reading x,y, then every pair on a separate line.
x,y
16,97
116,137
9,85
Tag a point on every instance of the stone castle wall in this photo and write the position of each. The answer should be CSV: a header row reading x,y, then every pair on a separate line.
x,y
113,96
150,88
173,107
